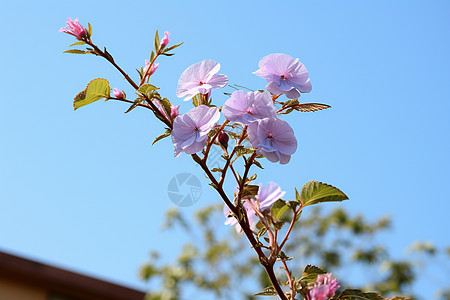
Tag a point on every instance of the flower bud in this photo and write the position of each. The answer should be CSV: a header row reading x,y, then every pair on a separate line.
x,y
74,28
118,94
223,139
152,69
165,40
174,111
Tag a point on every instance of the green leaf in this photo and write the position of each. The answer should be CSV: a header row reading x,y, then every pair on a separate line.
x,y
250,190
76,51
261,232
310,273
162,136
258,164
152,57
166,105
315,192
173,47
147,88
89,30
268,291
156,41
310,107
77,43
135,104
279,208
95,90
351,294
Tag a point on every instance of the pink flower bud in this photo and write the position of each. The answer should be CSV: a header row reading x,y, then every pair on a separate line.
x,y
174,111
165,40
74,28
118,94
152,69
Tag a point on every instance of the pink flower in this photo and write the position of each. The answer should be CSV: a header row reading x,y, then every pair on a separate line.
x,y
273,138
268,195
285,75
190,130
164,40
200,78
246,107
173,109
152,69
74,28
118,94
232,220
324,288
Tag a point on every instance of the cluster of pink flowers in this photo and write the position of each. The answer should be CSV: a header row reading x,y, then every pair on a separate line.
x,y
324,288
269,135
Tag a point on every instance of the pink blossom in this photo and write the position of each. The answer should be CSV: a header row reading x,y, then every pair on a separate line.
x,y
118,94
165,40
273,138
246,107
285,75
200,78
190,130
152,69
232,220
74,28
324,288
173,109
268,195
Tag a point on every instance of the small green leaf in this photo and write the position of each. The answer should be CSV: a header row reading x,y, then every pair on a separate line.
x,y
89,30
261,232
152,56
77,43
162,136
95,90
279,208
315,192
352,294
310,107
76,51
147,88
268,291
135,104
258,164
166,106
156,41
173,47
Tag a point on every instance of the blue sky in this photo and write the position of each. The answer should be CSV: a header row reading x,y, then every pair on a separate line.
x,y
87,191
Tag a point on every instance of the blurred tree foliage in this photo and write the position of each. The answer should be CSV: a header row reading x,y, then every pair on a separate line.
x,y
217,264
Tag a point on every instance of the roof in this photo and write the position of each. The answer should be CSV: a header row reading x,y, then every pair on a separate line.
x,y
57,280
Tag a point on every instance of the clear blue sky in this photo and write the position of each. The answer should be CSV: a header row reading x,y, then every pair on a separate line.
x,y
87,191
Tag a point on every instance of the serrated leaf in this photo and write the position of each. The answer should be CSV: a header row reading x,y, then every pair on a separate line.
x,y
352,294
162,136
268,291
77,43
279,208
310,107
76,51
310,273
147,88
315,192
95,90
173,47
156,41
